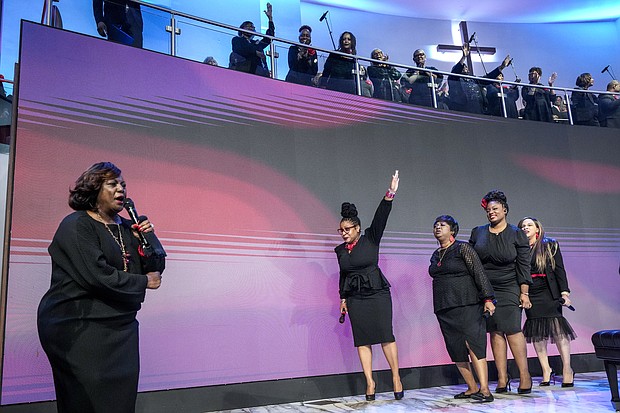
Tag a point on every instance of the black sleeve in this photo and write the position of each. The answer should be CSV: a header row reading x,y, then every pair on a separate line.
x,y
379,221
85,261
271,31
292,58
522,246
476,270
560,272
98,10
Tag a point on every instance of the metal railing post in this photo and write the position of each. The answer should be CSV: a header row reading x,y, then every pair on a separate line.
x,y
174,32
501,93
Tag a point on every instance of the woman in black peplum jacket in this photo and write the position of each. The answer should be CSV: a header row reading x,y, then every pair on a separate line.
x,y
364,290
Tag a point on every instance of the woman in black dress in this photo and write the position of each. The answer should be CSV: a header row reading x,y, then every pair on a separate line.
x,y
585,105
338,71
548,293
384,77
505,255
87,319
302,61
364,290
461,293
537,100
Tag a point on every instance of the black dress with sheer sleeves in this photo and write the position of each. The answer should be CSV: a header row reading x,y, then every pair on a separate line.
x,y
460,287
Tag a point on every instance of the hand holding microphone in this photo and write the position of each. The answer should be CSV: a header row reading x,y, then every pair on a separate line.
x,y
569,306
343,315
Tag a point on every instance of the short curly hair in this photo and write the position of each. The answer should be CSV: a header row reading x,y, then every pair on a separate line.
x,y
84,194
496,196
448,219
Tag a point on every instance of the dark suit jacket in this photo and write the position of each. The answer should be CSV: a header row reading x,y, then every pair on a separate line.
x,y
609,111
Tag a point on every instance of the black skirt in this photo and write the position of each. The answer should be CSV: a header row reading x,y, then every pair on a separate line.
x,y
460,325
371,317
506,319
545,320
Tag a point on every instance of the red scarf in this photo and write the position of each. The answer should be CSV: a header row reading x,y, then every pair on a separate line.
x,y
350,246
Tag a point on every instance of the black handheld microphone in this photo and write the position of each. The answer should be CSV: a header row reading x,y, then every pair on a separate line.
x,y
486,314
606,69
133,214
323,16
471,39
570,307
342,317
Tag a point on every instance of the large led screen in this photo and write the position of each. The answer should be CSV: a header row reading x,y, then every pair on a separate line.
x,y
244,176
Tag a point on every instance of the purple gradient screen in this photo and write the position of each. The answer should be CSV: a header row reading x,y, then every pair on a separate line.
x,y
243,178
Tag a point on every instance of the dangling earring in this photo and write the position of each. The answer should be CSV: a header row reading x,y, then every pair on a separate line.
x,y
537,235
451,238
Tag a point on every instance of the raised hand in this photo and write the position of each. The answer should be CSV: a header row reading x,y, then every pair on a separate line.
x,y
269,12
394,183
552,78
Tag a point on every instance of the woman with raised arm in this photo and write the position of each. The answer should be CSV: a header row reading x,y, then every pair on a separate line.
x,y
87,319
548,293
505,254
461,295
364,290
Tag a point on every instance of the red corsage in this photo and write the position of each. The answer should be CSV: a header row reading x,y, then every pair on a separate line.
x,y
311,52
483,203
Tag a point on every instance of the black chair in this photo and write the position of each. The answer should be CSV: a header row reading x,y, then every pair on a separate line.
x,y
607,347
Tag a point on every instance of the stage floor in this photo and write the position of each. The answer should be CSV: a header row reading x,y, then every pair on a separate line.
x,y
590,394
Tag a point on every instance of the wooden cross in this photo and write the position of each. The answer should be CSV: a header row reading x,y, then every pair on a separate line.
x,y
472,49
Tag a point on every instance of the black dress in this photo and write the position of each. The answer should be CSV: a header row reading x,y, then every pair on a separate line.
x,y
364,286
87,319
585,108
506,260
545,320
459,288
537,103
339,74
494,99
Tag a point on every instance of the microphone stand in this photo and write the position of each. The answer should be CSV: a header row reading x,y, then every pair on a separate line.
x,y
610,72
329,29
480,55
517,79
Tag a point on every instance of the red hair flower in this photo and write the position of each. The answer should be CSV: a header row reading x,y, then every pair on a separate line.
x,y
483,203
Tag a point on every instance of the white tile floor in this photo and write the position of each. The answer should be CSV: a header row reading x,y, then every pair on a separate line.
x,y
590,395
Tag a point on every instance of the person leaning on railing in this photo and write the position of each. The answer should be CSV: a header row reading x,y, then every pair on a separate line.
x,y
420,82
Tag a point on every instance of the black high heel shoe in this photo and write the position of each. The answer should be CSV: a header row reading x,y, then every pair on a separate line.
x,y
398,395
571,384
525,391
548,382
371,397
506,388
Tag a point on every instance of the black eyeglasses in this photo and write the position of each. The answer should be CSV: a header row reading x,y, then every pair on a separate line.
x,y
346,230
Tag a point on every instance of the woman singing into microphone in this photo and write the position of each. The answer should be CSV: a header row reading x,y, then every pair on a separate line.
x,y
87,319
